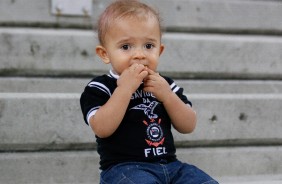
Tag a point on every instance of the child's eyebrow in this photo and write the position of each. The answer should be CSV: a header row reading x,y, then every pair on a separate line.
x,y
151,39
127,40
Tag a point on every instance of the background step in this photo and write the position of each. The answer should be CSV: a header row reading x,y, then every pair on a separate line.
x,y
232,165
43,121
257,179
226,55
245,16
76,85
43,52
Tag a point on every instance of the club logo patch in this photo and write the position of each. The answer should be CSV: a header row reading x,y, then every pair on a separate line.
x,y
154,133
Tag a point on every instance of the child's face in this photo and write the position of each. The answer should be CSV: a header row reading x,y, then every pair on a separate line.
x,y
131,40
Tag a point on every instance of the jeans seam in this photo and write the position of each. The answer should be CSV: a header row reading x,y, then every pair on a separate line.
x,y
167,178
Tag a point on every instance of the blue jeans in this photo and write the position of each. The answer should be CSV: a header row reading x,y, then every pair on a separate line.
x,y
160,172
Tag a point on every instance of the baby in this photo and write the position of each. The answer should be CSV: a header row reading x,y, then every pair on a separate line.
x,y
132,109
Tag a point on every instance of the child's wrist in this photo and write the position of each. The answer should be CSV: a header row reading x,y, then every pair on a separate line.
x,y
123,90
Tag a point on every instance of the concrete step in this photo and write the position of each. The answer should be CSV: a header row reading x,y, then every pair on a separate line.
x,y
192,15
255,179
43,138
42,52
76,85
44,121
42,85
228,165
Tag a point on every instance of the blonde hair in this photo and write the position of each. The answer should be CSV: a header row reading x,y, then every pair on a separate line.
x,y
121,9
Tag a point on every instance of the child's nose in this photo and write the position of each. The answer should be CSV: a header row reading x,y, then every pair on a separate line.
x,y
139,54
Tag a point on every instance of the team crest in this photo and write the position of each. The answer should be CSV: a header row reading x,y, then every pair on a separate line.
x,y
154,133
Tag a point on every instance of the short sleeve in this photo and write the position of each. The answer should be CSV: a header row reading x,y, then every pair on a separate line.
x,y
179,91
95,94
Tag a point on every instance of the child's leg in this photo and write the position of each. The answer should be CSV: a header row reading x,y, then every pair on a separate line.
x,y
183,173
128,173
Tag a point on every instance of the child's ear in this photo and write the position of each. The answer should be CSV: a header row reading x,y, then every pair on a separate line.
x,y
102,53
162,48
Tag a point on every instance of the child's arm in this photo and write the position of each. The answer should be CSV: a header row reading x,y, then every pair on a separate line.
x,y
182,116
109,116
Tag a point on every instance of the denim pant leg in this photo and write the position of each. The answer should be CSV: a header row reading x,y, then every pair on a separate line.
x,y
155,173
131,173
183,173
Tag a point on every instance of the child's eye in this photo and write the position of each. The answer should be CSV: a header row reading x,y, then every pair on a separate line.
x,y
125,47
149,46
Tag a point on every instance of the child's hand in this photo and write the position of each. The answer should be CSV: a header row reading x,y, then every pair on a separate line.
x,y
157,85
132,77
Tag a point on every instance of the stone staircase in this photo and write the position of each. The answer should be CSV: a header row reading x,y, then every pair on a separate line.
x,y
227,54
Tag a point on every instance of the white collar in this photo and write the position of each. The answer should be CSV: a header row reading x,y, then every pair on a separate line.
x,y
113,74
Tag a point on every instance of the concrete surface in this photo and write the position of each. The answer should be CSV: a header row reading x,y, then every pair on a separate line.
x,y
232,165
225,53
178,15
76,85
40,121
71,52
258,179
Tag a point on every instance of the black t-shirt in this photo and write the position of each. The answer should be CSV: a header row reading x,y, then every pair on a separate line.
x,y
145,131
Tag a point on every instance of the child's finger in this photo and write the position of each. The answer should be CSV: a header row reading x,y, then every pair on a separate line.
x,y
151,72
144,74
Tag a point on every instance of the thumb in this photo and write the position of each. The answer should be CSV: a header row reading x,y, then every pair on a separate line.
x,y
144,74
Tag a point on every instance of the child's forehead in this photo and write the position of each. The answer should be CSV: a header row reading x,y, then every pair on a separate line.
x,y
148,23
133,30
127,24
128,29
134,20
125,10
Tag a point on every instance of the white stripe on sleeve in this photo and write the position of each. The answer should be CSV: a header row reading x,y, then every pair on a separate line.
x,y
100,86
